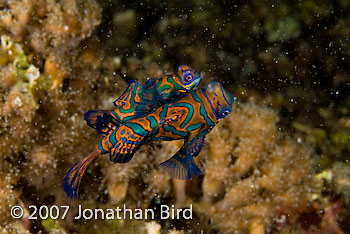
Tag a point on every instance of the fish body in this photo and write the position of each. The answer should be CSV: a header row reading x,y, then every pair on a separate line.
x,y
138,100
190,118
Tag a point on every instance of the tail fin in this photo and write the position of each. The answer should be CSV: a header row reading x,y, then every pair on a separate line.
x,y
73,177
181,168
101,120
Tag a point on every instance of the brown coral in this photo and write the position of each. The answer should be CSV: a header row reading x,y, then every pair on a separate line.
x,y
252,174
39,49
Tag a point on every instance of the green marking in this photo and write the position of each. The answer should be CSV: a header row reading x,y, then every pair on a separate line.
x,y
132,100
174,131
128,118
152,121
159,84
132,103
189,115
176,85
112,138
137,128
162,114
162,88
100,147
116,116
203,112
193,127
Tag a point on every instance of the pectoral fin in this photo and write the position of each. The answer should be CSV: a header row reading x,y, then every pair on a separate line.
x,y
179,167
126,145
195,146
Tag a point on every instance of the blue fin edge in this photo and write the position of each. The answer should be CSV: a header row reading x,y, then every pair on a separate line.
x,y
181,168
99,120
71,191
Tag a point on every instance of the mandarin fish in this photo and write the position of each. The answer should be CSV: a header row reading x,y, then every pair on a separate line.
x,y
190,118
138,100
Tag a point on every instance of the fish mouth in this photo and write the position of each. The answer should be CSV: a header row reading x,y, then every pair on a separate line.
x,y
193,84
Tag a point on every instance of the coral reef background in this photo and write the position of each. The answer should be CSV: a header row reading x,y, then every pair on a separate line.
x,y
278,164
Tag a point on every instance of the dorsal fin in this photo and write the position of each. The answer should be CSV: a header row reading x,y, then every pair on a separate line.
x,y
101,121
148,100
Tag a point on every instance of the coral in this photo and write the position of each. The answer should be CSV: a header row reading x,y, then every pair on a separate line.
x,y
20,80
152,228
335,180
40,60
253,175
155,228
125,179
36,56
342,180
52,29
9,198
119,176
52,226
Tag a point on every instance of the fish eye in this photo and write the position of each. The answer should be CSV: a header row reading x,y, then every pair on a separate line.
x,y
226,112
189,77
